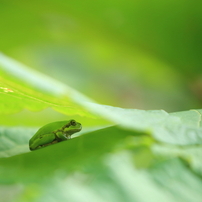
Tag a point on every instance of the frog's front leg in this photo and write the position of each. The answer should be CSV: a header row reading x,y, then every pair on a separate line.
x,y
62,136
43,140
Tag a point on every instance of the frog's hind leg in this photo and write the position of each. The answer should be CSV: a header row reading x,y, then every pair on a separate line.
x,y
43,140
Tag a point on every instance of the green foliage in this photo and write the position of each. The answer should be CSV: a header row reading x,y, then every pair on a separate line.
x,y
137,55
37,92
147,155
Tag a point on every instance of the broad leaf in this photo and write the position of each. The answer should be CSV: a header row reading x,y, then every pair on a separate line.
x,y
24,88
181,128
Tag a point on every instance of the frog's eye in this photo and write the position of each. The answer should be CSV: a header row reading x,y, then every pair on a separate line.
x,y
73,122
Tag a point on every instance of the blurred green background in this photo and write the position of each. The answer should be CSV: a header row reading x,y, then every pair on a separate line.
x,y
143,54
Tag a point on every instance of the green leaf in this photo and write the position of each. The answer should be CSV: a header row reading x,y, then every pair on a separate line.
x,y
192,118
105,165
35,91
14,140
181,128
24,88
175,177
101,165
72,154
192,155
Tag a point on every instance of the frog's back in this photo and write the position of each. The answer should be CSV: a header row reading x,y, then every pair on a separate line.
x,y
49,128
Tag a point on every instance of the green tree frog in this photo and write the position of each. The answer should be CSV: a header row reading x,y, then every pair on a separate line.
x,y
53,133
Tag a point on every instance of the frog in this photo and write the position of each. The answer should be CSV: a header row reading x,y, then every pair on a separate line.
x,y
53,133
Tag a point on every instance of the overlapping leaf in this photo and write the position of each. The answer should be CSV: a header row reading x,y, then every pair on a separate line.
x,y
154,152
23,88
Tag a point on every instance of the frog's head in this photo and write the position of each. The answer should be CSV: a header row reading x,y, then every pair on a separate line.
x,y
72,127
